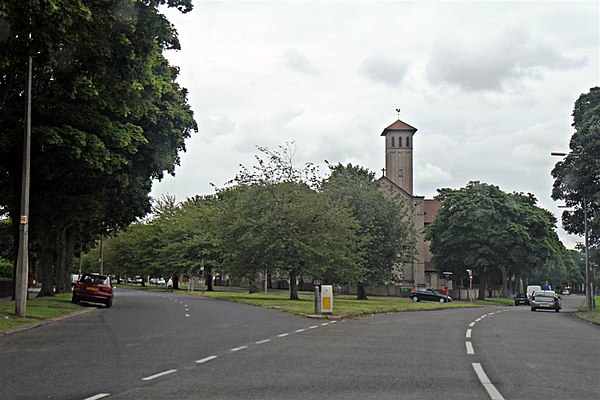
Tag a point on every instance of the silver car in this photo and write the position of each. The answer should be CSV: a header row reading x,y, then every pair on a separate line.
x,y
545,300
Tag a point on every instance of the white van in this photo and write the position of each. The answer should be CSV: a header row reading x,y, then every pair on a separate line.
x,y
531,289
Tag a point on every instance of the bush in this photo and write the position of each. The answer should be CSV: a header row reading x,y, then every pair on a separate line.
x,y
6,268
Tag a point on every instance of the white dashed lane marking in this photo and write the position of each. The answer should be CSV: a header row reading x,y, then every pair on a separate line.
x,y
263,341
205,359
469,346
98,396
151,377
483,378
485,381
238,348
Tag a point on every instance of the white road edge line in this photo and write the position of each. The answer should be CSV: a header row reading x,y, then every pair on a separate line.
x,y
485,381
263,341
283,335
469,346
472,324
98,396
206,359
325,324
149,378
468,335
313,327
239,348
299,330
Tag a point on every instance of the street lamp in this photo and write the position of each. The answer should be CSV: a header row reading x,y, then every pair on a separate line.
x,y
589,285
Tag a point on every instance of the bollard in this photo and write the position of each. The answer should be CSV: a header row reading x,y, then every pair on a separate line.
x,y
317,300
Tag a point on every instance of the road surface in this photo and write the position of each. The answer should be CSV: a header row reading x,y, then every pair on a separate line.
x,y
156,346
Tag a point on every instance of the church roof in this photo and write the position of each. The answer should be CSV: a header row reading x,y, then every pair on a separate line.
x,y
399,126
395,186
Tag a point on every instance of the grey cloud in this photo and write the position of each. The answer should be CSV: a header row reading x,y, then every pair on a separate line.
x,y
495,63
297,61
386,70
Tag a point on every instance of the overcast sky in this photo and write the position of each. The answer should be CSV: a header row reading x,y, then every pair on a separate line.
x,y
490,87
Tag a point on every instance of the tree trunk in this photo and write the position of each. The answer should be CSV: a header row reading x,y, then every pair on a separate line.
x,y
208,281
176,282
69,256
361,293
504,271
293,286
481,273
64,260
47,264
269,282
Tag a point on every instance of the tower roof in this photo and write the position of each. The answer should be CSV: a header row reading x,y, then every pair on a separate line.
x,y
399,126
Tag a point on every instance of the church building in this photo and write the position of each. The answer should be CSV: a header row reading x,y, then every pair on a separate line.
x,y
398,180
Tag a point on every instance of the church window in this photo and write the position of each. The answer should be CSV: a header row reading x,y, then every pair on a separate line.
x,y
400,173
393,141
407,142
400,141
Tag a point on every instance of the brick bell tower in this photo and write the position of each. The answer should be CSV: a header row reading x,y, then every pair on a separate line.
x,y
399,154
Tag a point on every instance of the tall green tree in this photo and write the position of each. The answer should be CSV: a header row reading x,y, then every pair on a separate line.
x,y
479,227
577,176
190,245
275,219
388,235
108,117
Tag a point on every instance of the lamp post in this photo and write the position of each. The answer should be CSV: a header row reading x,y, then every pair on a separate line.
x,y
589,284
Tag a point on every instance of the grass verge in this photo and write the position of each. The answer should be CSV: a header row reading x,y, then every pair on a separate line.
x,y
38,309
593,316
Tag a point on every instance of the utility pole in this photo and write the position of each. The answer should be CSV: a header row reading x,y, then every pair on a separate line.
x,y
589,282
22,272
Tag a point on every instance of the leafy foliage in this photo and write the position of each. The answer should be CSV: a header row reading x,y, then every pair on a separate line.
x,y
275,219
387,234
481,228
577,176
108,116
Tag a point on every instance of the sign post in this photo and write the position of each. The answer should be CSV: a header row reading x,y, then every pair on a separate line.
x,y
470,272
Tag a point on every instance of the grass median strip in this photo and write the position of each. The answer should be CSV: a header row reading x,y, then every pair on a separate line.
x,y
344,305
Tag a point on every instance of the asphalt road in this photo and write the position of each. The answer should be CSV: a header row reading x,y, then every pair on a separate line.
x,y
146,347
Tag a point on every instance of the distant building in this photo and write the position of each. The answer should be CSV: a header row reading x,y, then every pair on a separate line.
x,y
398,179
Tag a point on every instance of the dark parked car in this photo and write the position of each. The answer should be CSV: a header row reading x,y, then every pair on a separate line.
x,y
425,294
545,300
94,288
521,298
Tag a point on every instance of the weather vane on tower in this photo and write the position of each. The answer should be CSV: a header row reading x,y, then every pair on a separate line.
x,y
398,111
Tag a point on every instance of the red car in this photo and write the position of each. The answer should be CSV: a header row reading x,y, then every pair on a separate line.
x,y
93,288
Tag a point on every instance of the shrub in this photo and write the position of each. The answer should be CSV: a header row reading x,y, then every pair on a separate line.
x,y
6,268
